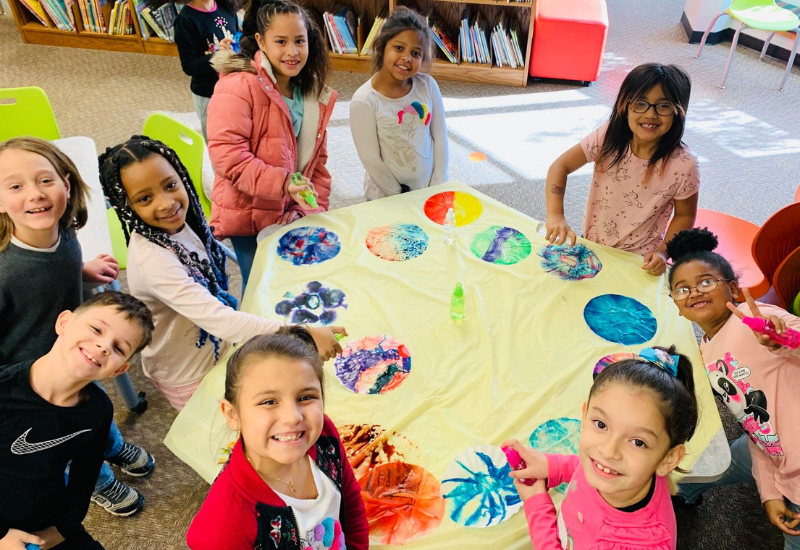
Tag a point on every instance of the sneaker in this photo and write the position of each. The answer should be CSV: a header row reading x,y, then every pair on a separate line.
x,y
678,502
119,500
134,461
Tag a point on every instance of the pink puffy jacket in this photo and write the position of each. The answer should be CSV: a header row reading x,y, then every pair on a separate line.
x,y
253,148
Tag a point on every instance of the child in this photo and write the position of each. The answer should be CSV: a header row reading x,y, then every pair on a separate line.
x,y
756,378
288,483
202,28
42,205
267,120
177,268
618,494
52,415
397,116
643,172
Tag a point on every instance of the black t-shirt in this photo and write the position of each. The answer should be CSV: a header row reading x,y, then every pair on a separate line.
x,y
37,440
197,35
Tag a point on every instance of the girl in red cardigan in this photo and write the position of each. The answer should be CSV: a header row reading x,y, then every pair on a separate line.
x,y
288,484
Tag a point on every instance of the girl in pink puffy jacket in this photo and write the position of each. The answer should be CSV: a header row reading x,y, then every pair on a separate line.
x,y
267,120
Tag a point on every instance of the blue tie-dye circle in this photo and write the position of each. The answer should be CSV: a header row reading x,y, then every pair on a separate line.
x,y
620,319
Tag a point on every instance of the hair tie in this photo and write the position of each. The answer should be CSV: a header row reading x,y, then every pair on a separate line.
x,y
661,359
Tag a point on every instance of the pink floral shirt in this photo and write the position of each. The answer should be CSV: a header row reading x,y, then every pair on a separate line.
x,y
625,213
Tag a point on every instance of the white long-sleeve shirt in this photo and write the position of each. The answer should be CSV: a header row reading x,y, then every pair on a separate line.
x,y
400,141
180,305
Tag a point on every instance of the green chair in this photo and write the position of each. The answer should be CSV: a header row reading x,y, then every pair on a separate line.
x,y
761,15
118,245
26,112
189,146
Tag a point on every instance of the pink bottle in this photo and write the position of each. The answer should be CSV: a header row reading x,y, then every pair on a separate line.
x,y
516,463
790,338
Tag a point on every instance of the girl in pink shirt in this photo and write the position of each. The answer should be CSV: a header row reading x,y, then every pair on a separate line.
x,y
757,379
643,173
639,414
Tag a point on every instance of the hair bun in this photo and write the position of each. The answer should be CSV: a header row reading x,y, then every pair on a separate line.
x,y
691,241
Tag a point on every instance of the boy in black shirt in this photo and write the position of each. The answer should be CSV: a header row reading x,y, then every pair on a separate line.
x,y
52,415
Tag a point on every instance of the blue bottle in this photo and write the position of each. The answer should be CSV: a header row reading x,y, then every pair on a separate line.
x,y
236,46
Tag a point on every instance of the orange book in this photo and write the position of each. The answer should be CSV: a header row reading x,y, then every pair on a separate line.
x,y
36,9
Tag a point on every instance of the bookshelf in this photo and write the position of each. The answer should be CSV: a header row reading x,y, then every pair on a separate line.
x,y
33,32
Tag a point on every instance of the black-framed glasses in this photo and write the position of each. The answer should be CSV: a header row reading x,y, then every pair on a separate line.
x,y
641,106
704,286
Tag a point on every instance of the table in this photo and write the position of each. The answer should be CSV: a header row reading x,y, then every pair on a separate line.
x,y
518,365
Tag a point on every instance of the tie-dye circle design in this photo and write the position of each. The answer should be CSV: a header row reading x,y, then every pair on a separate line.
x,y
369,445
558,435
403,502
478,489
308,245
570,263
620,319
398,242
373,364
501,245
613,358
466,207
313,304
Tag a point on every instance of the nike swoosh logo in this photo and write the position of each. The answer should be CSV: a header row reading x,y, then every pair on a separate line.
x,y
21,446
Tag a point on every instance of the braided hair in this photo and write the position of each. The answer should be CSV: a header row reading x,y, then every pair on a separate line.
x,y
211,274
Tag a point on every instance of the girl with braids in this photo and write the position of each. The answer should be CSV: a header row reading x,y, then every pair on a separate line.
x,y
267,120
643,173
177,268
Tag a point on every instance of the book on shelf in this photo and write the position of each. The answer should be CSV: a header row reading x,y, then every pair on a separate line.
x,y
37,11
506,38
475,48
156,19
341,25
121,20
377,25
442,39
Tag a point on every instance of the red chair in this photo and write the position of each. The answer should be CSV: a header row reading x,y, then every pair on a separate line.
x,y
777,238
786,280
735,243
797,194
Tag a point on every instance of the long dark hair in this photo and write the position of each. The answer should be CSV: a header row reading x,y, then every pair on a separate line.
x,y
697,244
209,273
403,19
677,88
230,6
257,19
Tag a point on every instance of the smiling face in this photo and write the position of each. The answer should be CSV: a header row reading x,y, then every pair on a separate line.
x,y
285,43
403,55
621,449
156,193
707,309
33,195
279,411
649,127
97,342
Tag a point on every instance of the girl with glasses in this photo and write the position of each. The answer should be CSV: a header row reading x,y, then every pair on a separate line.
x,y
756,378
645,182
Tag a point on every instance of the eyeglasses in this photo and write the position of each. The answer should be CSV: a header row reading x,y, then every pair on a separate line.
x,y
662,109
704,286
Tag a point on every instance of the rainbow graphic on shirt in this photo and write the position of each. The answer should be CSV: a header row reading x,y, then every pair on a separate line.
x,y
416,109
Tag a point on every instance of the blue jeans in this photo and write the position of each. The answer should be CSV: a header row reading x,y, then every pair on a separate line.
x,y
245,248
113,447
740,471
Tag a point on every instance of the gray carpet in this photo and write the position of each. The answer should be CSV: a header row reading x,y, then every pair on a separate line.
x,y
746,136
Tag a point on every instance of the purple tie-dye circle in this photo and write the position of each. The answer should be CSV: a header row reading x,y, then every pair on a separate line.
x,y
570,263
308,245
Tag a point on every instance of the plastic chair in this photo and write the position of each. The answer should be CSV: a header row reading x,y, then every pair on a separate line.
x,y
797,194
761,15
786,280
189,146
119,247
30,114
735,244
776,239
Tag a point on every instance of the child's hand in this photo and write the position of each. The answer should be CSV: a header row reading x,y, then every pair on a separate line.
x,y
288,217
655,263
226,44
103,269
781,517
763,339
558,231
16,540
527,491
535,462
295,190
327,344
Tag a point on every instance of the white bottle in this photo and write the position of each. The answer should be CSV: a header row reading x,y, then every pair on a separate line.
x,y
450,227
541,229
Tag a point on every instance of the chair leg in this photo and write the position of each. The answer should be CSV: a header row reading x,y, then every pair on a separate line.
x,y
766,45
229,253
708,31
135,402
791,58
730,55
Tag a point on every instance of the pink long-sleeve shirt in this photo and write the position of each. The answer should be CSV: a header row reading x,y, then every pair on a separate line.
x,y
587,522
760,387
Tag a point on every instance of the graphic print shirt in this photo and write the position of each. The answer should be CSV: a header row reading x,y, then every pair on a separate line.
x,y
621,210
760,387
400,141
37,440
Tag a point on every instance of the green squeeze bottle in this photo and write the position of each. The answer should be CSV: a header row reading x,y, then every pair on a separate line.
x,y
457,302
308,196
